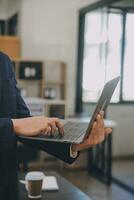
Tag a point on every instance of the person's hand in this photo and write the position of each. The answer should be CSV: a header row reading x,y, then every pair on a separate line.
x,y
33,126
96,136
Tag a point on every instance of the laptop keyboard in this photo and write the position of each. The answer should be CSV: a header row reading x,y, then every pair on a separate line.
x,y
72,131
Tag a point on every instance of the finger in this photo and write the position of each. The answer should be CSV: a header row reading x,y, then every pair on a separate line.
x,y
94,126
102,117
47,130
98,118
100,121
53,127
101,113
93,130
107,131
92,137
97,133
60,127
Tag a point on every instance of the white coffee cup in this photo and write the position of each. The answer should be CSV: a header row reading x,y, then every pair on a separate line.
x,y
33,184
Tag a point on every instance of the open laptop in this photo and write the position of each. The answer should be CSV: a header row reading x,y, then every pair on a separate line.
x,y
75,132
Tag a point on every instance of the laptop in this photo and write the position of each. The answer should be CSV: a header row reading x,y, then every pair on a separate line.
x,y
76,132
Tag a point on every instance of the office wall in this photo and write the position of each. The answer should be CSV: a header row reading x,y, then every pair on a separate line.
x,y
13,6
49,30
8,8
123,135
3,9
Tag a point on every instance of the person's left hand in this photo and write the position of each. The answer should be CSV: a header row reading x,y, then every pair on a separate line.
x,y
97,135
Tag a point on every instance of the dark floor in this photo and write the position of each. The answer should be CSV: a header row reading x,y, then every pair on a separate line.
x,y
124,171
95,189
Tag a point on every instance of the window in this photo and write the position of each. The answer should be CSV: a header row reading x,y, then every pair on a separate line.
x,y
102,53
113,57
107,54
128,78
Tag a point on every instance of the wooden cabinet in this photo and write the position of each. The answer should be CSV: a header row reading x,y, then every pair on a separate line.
x,y
29,75
55,80
54,88
46,80
11,46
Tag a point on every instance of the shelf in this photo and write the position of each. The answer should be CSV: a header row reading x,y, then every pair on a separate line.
x,y
54,101
36,100
45,83
55,83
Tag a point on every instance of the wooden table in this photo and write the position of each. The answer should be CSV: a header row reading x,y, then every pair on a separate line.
x,y
67,191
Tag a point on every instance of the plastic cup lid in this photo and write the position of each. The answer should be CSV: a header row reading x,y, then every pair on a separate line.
x,y
34,176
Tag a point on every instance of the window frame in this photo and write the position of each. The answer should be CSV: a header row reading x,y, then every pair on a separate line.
x,y
80,54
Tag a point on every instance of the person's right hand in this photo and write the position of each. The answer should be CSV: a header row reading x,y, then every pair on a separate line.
x,y
33,126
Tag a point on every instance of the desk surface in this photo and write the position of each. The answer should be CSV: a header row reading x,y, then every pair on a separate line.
x,y
67,191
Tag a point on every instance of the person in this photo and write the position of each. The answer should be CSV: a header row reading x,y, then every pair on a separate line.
x,y
15,120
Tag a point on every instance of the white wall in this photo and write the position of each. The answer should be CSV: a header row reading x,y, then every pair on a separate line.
x,y
49,30
13,7
8,8
3,9
123,135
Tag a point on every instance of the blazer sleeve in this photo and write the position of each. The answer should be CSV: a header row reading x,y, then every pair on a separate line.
x,y
22,109
6,129
6,125
59,150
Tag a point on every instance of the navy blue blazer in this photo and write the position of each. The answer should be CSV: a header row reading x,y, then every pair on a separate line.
x,y
13,106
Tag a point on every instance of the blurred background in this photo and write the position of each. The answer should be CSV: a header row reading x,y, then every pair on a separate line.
x,y
63,52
